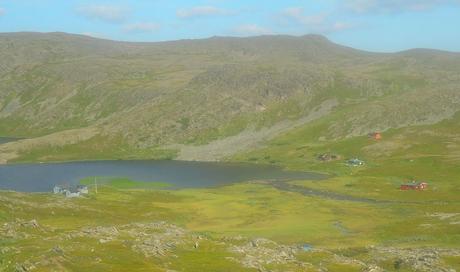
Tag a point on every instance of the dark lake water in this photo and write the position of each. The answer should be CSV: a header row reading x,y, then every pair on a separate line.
x,y
7,139
180,174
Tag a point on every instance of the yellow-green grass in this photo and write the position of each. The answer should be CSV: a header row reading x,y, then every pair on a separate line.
x,y
428,153
248,209
392,218
96,148
123,183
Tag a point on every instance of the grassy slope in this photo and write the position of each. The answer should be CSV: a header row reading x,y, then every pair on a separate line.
x,y
413,102
338,228
429,153
141,98
405,219
251,210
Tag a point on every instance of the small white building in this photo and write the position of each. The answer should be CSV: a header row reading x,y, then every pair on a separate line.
x,y
355,162
83,190
57,190
69,194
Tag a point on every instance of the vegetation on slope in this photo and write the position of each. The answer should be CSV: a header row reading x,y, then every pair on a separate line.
x,y
356,220
83,98
157,96
244,227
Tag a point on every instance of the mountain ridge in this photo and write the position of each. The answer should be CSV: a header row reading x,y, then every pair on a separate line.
x,y
317,37
143,98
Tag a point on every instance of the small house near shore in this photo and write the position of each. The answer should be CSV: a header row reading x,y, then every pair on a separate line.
x,y
70,191
325,157
355,162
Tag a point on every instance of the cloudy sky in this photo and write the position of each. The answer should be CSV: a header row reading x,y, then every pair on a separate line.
x,y
376,25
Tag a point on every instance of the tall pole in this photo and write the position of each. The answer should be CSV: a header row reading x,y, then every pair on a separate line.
x,y
95,183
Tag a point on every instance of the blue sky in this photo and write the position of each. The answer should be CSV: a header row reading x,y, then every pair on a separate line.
x,y
374,25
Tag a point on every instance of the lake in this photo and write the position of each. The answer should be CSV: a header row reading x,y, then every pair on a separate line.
x,y
7,139
180,174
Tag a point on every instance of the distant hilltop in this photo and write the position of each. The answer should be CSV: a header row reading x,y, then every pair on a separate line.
x,y
206,99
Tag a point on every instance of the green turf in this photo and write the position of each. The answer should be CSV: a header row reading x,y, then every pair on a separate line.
x,y
123,183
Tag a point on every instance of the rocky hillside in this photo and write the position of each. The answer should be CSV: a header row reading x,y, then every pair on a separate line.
x,y
76,97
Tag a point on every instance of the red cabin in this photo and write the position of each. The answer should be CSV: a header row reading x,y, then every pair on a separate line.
x,y
375,135
414,186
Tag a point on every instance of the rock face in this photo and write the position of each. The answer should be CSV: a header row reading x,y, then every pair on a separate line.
x,y
145,96
262,253
159,239
259,253
18,229
159,242
156,239
418,259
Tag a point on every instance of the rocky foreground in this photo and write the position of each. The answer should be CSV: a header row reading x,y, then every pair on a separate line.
x,y
160,241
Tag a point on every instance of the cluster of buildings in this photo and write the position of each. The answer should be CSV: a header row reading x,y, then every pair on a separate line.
x,y
70,191
377,136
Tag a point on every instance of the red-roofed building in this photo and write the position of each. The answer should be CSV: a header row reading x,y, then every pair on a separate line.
x,y
375,135
414,186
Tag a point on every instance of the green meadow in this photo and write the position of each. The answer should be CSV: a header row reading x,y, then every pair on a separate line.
x,y
299,103
356,220
122,183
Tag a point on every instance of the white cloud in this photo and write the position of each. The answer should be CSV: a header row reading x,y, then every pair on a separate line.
x,y
252,30
2,11
107,13
296,18
141,27
201,11
391,6
340,26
